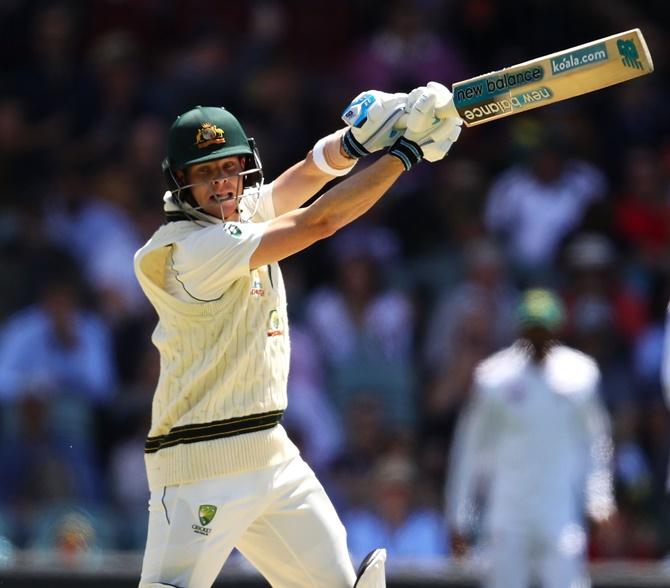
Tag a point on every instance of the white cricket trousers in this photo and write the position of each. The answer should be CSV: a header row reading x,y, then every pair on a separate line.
x,y
557,559
279,518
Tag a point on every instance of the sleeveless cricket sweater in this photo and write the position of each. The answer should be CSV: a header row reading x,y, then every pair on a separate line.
x,y
223,371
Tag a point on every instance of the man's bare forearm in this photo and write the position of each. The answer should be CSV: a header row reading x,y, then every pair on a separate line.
x,y
304,179
298,229
356,195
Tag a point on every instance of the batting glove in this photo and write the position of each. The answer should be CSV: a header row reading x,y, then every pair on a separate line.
x,y
371,117
432,126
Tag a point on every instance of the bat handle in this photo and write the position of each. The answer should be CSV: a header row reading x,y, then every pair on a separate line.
x,y
442,112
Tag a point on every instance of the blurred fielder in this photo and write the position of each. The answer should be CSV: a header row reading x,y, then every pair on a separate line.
x,y
222,471
537,420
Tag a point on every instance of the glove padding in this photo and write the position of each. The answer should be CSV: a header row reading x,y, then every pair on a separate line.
x,y
432,121
371,117
443,101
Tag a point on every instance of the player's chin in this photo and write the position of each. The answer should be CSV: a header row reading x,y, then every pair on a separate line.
x,y
226,209
216,202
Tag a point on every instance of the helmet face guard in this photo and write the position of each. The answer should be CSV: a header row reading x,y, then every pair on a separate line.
x,y
206,134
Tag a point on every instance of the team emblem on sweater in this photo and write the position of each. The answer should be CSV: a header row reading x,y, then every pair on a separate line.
x,y
206,513
274,324
208,134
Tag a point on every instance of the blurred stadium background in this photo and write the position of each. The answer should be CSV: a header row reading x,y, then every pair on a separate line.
x,y
389,316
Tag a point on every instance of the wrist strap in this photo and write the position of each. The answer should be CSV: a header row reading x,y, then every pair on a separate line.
x,y
352,147
408,152
319,157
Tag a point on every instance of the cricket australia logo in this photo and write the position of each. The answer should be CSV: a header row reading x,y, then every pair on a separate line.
x,y
208,134
274,324
206,513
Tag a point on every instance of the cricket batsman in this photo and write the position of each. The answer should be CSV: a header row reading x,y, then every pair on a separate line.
x,y
537,421
222,471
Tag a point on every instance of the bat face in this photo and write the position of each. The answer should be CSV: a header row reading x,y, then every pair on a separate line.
x,y
552,78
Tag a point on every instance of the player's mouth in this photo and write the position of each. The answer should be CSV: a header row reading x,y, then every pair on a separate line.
x,y
220,198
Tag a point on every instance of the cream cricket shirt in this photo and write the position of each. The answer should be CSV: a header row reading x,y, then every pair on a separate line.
x,y
223,339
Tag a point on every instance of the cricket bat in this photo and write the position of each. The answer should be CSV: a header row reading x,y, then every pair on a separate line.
x,y
552,78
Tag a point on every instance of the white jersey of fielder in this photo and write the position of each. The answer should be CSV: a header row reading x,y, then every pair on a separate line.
x,y
544,434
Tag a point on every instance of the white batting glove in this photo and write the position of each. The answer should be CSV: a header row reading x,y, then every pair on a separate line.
x,y
443,98
432,125
371,117
432,122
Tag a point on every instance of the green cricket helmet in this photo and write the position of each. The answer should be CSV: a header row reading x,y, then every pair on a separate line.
x,y
541,308
206,133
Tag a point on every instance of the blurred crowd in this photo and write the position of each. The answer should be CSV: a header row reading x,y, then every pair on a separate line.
x,y
390,316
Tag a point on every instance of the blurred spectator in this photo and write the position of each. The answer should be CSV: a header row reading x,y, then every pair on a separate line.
x,y
7,535
643,210
365,329
647,362
57,350
201,67
145,148
128,423
44,467
394,517
117,96
52,84
632,110
321,437
593,272
665,372
484,285
537,422
534,205
72,537
55,372
91,216
595,333
275,95
320,440
15,149
626,536
469,322
367,438
404,52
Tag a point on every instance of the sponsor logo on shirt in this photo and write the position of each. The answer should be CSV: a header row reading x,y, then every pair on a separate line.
x,y
257,288
274,324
